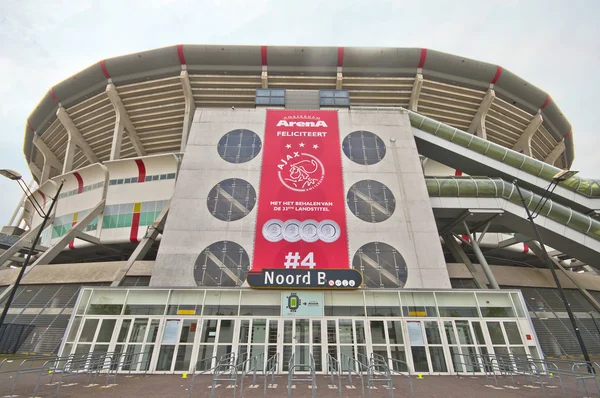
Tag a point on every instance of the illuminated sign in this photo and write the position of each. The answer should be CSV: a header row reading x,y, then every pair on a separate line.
x,y
333,279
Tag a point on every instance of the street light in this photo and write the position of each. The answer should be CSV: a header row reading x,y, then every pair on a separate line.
x,y
13,175
531,215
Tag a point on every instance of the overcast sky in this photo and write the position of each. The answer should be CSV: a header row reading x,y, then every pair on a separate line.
x,y
552,44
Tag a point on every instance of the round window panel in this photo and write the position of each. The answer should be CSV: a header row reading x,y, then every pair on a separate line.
x,y
222,264
363,147
239,146
231,199
381,265
371,201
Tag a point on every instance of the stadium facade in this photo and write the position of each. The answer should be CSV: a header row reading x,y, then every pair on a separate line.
x,y
301,201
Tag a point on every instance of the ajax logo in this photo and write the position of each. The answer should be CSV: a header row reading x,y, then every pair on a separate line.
x,y
301,172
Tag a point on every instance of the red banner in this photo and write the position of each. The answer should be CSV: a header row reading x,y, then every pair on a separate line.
x,y
301,221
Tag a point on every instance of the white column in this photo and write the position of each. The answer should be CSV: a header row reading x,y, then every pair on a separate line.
x,y
264,77
122,115
190,108
556,152
75,135
524,142
69,153
478,123
413,103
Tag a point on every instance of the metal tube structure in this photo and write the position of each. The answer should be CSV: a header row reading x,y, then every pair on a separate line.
x,y
27,259
550,266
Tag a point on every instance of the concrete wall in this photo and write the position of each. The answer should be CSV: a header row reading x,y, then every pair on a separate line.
x,y
75,273
411,229
190,227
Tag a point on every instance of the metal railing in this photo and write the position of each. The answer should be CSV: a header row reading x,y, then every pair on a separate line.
x,y
310,368
270,369
334,368
248,366
356,367
226,370
539,373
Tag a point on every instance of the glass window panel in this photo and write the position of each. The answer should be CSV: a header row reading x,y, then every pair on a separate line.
x,y
74,328
357,144
382,266
184,355
345,328
125,324
450,335
106,330
186,302
165,357
259,331
495,332
106,302
378,332
138,331
262,101
226,331
147,296
153,331
395,332
277,101
432,331
495,305
277,93
263,92
438,359
420,359
478,332
231,199
464,332
398,356
418,304
83,301
88,331
518,305
371,201
457,305
512,333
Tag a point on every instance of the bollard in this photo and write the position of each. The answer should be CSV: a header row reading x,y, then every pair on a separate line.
x,y
184,376
420,376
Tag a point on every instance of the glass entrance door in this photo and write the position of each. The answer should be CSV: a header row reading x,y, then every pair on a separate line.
x,y
301,337
216,340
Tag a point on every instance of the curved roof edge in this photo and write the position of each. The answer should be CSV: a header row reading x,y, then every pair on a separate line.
x,y
167,61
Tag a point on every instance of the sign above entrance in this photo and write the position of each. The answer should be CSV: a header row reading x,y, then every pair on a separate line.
x,y
332,279
301,304
301,220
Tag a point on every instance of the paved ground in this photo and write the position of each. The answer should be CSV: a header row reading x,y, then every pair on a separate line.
x,y
462,386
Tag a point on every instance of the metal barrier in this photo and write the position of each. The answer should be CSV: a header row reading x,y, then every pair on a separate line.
x,y
334,367
250,365
270,369
581,376
310,367
402,364
379,370
357,367
203,371
226,370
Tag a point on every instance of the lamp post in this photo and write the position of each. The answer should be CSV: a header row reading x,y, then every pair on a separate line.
x,y
13,175
560,176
